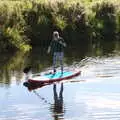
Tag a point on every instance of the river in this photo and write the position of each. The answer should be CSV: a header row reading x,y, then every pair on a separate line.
x,y
93,95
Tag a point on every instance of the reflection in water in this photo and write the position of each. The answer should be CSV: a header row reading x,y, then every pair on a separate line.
x,y
11,68
42,98
58,108
12,64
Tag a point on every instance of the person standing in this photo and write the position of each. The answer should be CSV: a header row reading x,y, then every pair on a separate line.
x,y
56,47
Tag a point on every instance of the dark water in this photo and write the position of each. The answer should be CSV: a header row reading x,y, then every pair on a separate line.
x,y
94,95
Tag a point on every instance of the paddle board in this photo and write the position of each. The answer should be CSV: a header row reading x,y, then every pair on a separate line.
x,y
47,78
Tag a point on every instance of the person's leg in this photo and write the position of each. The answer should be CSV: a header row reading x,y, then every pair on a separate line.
x,y
61,55
54,61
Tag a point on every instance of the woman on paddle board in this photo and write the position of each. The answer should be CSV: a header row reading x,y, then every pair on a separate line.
x,y
56,47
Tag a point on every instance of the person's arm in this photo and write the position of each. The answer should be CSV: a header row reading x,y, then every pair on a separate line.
x,y
62,42
49,49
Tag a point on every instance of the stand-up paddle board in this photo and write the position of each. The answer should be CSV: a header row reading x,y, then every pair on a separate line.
x,y
48,78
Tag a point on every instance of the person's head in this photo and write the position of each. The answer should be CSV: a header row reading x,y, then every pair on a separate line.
x,y
55,34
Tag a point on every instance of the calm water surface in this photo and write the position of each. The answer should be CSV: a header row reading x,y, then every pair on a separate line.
x,y
94,95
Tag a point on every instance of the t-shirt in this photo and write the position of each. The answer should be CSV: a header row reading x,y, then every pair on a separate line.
x,y
56,45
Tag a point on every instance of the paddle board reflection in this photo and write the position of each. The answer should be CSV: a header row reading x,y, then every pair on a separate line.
x,y
57,108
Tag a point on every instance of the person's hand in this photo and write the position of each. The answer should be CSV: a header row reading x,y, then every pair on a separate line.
x,y
62,43
48,51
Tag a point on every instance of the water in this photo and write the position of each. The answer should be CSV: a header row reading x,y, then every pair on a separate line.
x,y
94,95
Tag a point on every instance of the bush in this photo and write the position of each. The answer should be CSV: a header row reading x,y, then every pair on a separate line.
x,y
30,23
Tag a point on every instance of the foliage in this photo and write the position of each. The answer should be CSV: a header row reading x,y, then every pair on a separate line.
x,y
26,23
13,25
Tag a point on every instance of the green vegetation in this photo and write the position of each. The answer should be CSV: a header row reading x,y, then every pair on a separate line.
x,y
26,23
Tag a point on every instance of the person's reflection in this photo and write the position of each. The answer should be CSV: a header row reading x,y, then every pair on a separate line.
x,y
58,107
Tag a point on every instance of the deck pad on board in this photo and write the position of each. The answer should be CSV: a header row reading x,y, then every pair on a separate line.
x,y
59,74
